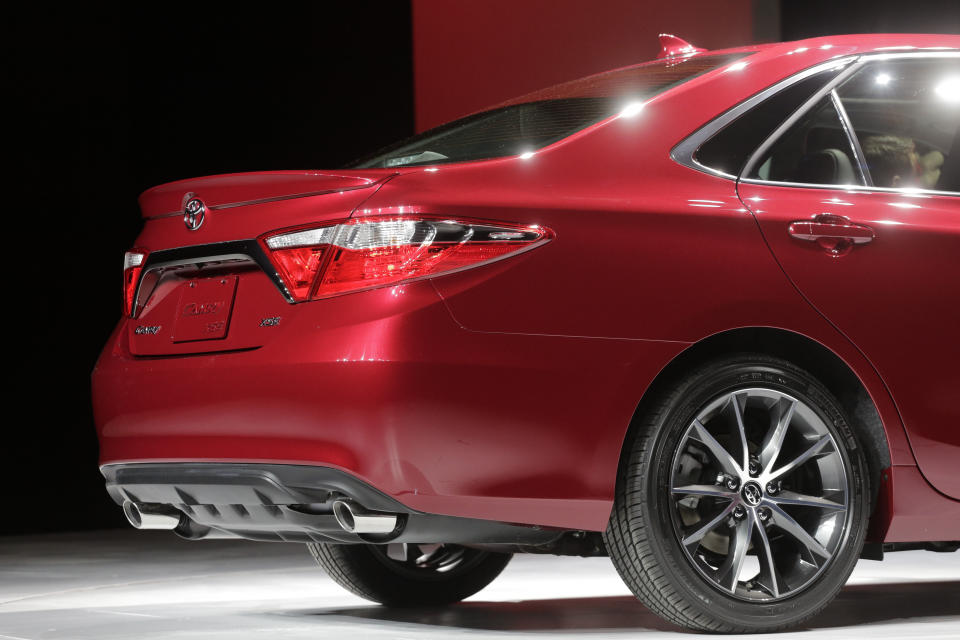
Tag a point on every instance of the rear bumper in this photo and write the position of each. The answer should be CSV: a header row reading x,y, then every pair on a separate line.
x,y
192,487
384,386
289,503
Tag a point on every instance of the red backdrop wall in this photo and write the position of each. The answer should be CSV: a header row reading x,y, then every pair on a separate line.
x,y
469,54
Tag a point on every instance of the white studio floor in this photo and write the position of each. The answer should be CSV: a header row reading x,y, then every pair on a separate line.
x,y
152,585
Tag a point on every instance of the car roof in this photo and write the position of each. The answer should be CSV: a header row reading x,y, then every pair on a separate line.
x,y
824,48
682,109
781,59
800,54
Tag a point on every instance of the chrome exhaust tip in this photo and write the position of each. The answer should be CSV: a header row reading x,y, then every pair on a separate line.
x,y
355,519
151,516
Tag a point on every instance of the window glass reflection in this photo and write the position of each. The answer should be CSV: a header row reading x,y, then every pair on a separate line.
x,y
906,114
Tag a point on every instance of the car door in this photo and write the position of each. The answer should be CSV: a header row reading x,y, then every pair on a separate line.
x,y
859,199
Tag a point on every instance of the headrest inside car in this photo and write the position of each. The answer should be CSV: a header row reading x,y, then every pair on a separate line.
x,y
829,166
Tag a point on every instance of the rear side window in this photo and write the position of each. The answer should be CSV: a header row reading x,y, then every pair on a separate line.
x,y
543,117
815,150
892,124
729,150
906,115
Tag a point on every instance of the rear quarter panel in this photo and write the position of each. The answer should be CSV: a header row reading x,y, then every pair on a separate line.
x,y
645,250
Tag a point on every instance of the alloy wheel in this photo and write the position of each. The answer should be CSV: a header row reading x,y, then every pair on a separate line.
x,y
759,494
422,561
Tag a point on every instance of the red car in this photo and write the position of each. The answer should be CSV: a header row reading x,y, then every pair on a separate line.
x,y
699,314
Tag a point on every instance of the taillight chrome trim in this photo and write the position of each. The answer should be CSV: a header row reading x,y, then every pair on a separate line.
x,y
424,230
133,261
254,251
248,251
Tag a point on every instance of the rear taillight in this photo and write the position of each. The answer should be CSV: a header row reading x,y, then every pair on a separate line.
x,y
132,266
373,252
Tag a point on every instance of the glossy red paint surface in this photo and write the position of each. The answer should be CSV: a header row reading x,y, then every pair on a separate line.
x,y
894,297
910,511
505,391
231,190
671,45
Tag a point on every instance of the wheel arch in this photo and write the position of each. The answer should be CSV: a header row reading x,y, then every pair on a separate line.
x,y
804,352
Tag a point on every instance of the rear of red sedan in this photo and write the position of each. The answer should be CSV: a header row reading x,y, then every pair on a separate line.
x,y
294,318
534,329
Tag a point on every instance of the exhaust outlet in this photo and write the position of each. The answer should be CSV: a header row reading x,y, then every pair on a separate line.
x,y
355,519
151,516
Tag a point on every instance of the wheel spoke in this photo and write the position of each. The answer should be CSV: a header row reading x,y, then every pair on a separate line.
x,y
729,572
768,567
398,551
692,541
803,457
753,445
773,441
705,490
791,527
741,430
723,457
427,551
801,500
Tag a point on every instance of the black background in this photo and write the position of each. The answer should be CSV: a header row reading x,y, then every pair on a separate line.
x,y
114,102
109,103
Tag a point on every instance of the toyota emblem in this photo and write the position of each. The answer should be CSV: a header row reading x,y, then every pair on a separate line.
x,y
752,494
193,213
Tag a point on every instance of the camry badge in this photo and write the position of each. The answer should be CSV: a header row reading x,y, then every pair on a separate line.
x,y
143,330
193,213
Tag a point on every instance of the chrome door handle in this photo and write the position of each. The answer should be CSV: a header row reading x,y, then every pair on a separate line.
x,y
835,234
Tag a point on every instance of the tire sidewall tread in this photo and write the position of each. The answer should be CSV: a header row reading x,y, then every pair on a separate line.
x,y
640,538
355,568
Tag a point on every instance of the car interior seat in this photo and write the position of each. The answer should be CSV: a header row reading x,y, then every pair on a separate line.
x,y
828,166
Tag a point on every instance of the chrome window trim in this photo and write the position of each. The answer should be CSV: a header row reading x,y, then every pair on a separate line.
x,y
858,188
851,135
794,117
937,52
852,138
683,153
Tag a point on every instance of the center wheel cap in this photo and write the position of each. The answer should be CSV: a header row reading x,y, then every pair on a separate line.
x,y
752,494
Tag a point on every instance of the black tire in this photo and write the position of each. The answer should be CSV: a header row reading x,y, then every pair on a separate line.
x,y
644,538
366,571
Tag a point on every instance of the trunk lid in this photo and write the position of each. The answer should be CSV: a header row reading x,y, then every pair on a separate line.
x,y
238,189
205,289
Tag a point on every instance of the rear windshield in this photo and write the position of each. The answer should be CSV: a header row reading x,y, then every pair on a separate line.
x,y
541,118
